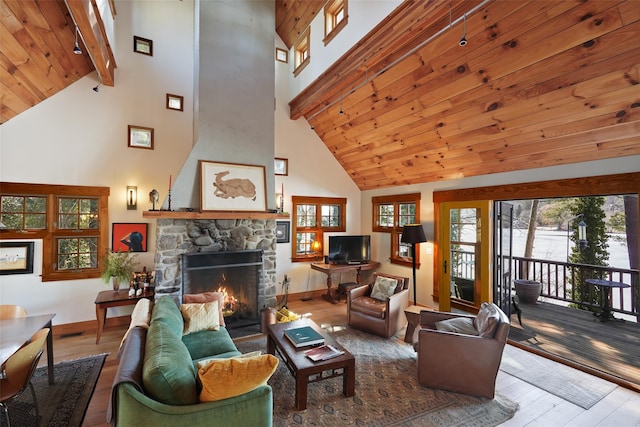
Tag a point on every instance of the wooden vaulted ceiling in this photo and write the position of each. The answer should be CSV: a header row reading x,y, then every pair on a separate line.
x,y
540,82
37,38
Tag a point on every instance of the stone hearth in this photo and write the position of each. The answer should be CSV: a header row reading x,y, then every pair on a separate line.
x,y
175,237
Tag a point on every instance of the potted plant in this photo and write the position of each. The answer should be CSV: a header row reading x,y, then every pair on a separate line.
x,y
118,267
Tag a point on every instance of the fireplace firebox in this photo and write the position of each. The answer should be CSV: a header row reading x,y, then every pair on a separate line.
x,y
237,274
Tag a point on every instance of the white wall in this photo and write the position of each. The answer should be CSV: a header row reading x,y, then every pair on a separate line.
x,y
424,276
313,171
363,15
79,137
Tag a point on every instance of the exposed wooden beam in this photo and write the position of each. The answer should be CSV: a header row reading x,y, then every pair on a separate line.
x,y
87,17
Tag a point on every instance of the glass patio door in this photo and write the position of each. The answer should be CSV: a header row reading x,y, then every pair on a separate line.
x,y
502,254
465,263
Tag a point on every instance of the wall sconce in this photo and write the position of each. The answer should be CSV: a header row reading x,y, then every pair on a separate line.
x,y
132,197
279,202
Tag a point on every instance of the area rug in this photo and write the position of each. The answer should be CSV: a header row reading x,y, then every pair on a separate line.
x,y
563,381
63,403
387,391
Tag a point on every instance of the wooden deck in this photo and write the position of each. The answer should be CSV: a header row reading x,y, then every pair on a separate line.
x,y
610,349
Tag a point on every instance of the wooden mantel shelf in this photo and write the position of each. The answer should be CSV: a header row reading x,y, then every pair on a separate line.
x,y
213,215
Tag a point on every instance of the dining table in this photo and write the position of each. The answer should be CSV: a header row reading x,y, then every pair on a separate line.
x,y
14,333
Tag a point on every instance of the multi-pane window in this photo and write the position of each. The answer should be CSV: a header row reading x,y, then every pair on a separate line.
x,y
335,18
72,222
390,215
302,52
312,216
23,212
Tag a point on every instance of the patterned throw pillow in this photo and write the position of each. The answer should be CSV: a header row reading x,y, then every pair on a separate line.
x,y
226,378
383,288
200,317
207,297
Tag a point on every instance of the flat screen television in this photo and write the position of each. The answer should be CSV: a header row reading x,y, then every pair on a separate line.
x,y
349,249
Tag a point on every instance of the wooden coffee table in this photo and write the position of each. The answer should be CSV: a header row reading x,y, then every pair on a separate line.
x,y
303,369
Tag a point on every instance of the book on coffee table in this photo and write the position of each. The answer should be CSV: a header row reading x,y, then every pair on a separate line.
x,y
323,352
304,336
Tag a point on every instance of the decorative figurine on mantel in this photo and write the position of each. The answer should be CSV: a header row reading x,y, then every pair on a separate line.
x,y
154,197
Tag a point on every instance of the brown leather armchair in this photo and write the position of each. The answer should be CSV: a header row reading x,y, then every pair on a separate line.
x,y
460,361
373,315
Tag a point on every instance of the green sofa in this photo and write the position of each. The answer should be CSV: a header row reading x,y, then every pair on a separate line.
x,y
156,381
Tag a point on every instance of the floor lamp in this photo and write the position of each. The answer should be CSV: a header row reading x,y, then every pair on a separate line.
x,y
414,234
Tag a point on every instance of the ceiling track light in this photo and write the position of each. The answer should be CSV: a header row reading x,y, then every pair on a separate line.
x,y
341,112
462,42
76,47
96,88
463,39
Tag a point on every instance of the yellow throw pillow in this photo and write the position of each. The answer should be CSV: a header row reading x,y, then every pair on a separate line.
x,y
225,378
206,362
200,317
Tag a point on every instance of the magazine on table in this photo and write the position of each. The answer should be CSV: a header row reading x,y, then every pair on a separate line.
x,y
323,352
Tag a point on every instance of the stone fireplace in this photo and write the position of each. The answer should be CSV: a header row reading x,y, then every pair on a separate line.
x,y
176,237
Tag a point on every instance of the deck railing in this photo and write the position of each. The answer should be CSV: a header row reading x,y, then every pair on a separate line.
x,y
557,279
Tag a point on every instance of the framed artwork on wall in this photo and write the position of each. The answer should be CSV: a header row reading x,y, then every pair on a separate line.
x,y
281,166
282,55
140,137
282,231
129,237
175,102
232,187
142,45
16,257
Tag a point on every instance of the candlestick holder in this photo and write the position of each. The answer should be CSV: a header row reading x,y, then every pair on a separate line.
x,y
169,203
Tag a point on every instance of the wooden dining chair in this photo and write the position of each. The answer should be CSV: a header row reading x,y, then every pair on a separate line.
x,y
18,370
10,311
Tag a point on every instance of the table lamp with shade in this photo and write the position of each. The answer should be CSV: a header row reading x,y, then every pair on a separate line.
x,y
414,234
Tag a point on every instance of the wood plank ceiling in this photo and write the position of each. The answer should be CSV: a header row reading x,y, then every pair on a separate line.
x,y
540,83
36,53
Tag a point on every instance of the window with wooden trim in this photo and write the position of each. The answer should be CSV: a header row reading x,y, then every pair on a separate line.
x,y
335,18
302,52
312,216
71,221
390,214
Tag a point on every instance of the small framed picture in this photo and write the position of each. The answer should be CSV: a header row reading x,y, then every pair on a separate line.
x,y
16,257
140,137
281,166
129,237
142,45
175,102
282,55
282,231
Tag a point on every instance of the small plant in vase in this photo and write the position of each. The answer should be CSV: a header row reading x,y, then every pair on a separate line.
x,y
118,267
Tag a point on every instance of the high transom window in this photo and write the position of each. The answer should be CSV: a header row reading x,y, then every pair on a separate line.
x,y
335,18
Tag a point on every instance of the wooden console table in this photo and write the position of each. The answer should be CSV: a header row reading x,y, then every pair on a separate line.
x,y
329,269
106,299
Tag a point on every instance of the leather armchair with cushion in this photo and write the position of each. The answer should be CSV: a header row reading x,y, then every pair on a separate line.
x,y
370,310
460,352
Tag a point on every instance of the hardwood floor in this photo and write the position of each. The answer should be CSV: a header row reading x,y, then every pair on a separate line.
x,y
537,407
